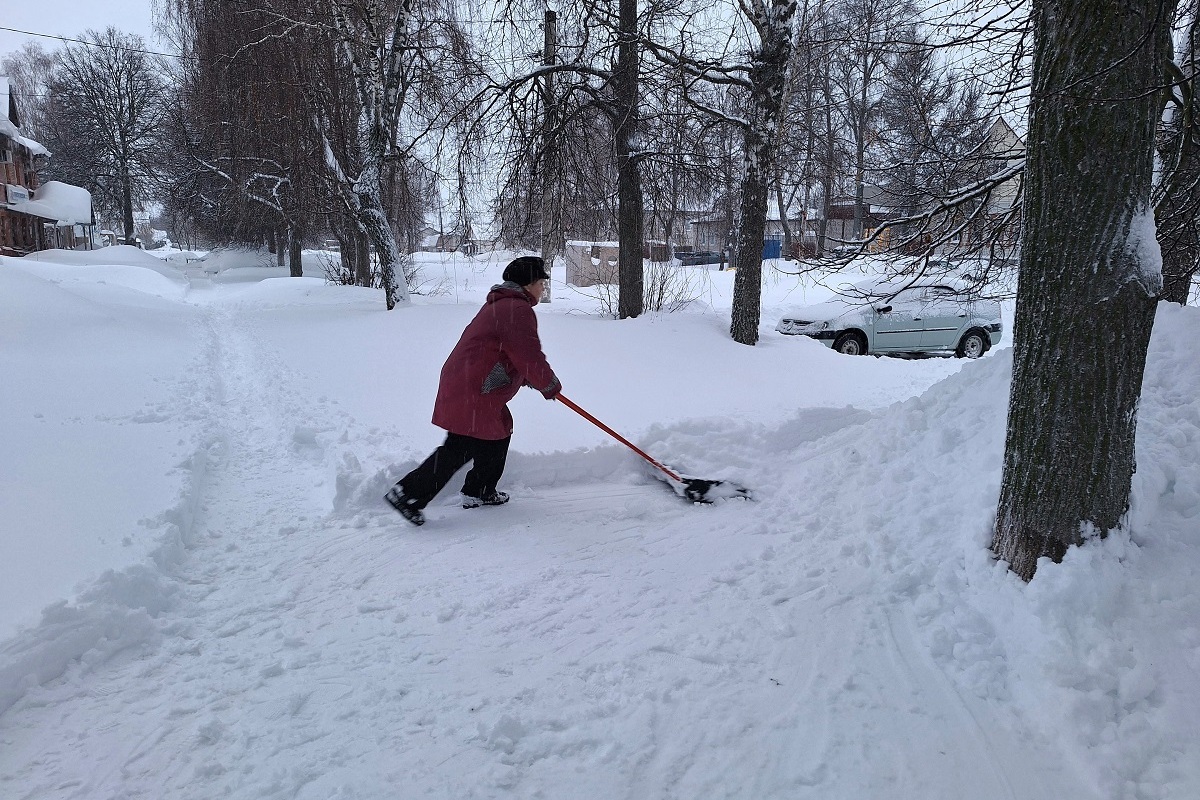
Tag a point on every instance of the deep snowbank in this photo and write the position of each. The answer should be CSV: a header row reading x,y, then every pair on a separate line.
x,y
1101,651
96,421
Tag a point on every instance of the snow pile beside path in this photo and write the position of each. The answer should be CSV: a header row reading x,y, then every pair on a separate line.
x,y
122,265
117,255
1100,652
238,258
115,613
157,280
275,292
103,395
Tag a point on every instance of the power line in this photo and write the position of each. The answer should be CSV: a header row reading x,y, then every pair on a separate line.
x,y
73,40
97,44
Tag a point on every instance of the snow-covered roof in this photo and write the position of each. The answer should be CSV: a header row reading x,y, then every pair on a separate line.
x,y
37,148
61,202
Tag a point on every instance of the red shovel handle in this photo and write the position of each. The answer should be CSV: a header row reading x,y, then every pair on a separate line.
x,y
571,405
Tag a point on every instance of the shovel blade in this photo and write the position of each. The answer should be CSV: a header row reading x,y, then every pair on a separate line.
x,y
699,490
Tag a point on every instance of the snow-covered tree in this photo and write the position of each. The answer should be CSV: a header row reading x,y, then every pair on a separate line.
x,y
761,77
1089,275
764,81
380,44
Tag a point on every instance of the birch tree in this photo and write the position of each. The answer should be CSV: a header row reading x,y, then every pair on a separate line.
x,y
379,43
761,78
764,81
1089,275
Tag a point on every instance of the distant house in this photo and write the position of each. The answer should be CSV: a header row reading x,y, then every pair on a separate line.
x,y
1003,148
673,227
428,238
34,216
433,238
711,232
480,237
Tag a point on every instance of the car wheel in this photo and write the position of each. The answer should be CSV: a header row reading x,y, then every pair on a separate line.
x,y
973,345
851,343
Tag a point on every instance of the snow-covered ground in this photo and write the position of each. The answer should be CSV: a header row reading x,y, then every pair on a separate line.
x,y
202,595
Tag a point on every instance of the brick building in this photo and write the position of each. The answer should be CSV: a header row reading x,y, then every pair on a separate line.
x,y
35,216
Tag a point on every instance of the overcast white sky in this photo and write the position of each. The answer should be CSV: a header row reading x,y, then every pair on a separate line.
x,y
70,18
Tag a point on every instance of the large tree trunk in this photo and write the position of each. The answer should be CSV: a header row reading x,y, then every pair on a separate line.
x,y
362,258
1086,292
747,254
768,74
629,183
366,196
127,204
295,252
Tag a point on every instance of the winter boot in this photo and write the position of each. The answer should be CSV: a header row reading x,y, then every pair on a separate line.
x,y
396,499
490,499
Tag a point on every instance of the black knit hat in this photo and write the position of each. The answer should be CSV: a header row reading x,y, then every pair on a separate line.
x,y
525,270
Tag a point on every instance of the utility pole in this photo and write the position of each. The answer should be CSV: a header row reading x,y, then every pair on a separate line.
x,y
550,204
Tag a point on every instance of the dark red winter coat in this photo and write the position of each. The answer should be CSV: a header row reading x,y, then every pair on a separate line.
x,y
498,353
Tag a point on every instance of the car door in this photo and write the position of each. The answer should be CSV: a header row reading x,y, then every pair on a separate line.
x,y
897,329
943,313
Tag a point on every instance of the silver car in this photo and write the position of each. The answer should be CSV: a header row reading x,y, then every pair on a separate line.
x,y
901,318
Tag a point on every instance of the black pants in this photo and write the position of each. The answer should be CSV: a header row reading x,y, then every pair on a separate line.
x,y
423,483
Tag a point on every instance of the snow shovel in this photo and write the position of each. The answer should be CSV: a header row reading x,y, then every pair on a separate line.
x,y
698,490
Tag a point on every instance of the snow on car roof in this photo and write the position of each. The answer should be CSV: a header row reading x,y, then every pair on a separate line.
x,y
885,287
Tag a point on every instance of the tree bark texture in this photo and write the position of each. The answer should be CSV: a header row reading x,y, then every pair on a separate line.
x,y
551,216
768,74
1178,210
630,278
127,203
295,252
1179,236
1085,303
362,259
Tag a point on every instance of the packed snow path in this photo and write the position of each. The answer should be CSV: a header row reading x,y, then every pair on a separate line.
x,y
589,640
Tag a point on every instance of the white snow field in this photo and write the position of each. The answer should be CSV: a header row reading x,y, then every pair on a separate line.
x,y
202,594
